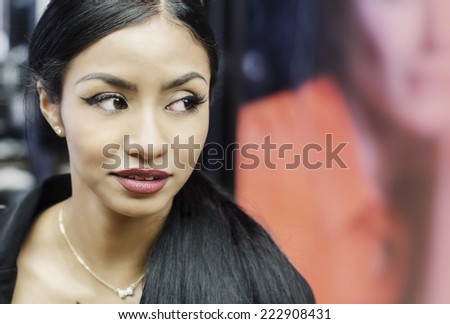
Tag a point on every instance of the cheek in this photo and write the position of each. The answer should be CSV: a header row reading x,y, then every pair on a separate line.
x,y
188,139
86,151
394,30
86,137
392,34
202,129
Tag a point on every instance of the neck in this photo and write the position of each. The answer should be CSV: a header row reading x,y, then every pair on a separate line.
x,y
107,240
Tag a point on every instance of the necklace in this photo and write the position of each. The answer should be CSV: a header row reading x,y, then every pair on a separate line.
x,y
122,293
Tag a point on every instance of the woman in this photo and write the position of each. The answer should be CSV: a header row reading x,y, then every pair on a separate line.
x,y
127,84
369,222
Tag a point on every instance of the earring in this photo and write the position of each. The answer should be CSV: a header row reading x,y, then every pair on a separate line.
x,y
58,130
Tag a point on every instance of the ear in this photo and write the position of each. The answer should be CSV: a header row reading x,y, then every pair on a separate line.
x,y
50,110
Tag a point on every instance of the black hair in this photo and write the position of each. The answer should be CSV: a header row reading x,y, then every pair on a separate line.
x,y
333,26
208,251
67,27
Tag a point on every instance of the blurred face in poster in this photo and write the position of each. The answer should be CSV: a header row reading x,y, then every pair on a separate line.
x,y
399,59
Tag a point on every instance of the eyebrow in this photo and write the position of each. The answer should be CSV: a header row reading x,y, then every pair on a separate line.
x,y
183,80
115,81
110,79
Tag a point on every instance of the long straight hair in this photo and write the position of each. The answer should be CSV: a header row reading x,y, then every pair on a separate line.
x,y
208,251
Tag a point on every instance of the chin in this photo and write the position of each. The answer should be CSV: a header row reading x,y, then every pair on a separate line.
x,y
143,207
425,117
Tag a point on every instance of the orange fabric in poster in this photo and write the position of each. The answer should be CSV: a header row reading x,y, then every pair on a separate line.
x,y
329,221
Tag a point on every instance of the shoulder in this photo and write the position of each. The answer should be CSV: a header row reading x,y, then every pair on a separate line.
x,y
217,254
16,220
5,218
280,101
14,224
312,103
262,115
265,270
273,278
323,90
9,250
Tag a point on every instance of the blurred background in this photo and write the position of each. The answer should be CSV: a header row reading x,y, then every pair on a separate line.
x,y
376,74
16,21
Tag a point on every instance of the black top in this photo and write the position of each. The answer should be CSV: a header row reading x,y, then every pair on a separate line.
x,y
15,223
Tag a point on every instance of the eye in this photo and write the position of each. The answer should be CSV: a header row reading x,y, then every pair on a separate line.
x,y
108,101
186,104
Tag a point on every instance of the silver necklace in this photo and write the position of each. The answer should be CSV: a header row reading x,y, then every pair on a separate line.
x,y
122,293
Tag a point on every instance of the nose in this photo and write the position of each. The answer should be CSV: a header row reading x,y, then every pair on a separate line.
x,y
145,140
437,24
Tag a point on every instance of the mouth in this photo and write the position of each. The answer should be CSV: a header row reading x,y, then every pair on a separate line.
x,y
142,178
424,82
142,181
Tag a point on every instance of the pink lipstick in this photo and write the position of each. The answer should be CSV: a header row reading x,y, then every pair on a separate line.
x,y
142,181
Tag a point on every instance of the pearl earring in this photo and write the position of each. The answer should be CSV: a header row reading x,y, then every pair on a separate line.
x,y
58,130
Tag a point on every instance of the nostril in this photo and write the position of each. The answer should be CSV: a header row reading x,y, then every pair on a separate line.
x,y
133,149
134,154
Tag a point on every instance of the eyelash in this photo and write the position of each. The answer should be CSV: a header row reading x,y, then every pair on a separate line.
x,y
96,100
193,101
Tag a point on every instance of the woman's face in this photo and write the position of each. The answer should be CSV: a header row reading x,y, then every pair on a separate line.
x,y
135,114
404,59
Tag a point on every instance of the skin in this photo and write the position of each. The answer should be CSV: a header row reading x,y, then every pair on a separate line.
x,y
404,46
111,228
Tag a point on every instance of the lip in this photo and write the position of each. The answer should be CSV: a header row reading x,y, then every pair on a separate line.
x,y
430,82
142,181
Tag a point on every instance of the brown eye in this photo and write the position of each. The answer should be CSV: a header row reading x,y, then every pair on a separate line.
x,y
185,104
119,104
108,101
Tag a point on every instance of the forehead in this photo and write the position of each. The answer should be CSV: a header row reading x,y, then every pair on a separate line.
x,y
158,47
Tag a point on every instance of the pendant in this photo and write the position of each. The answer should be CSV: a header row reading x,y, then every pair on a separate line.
x,y
124,293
